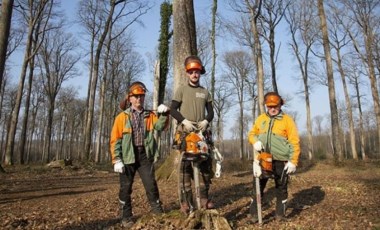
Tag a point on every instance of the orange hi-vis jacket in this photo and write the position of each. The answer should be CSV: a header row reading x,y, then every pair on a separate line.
x,y
279,136
121,142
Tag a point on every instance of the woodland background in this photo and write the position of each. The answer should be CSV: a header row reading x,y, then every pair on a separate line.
x,y
43,120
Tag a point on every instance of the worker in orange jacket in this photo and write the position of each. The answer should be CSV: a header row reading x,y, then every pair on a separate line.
x,y
134,148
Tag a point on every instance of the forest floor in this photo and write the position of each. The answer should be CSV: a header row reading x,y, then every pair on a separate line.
x,y
321,196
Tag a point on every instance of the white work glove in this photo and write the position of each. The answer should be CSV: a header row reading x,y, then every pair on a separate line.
x,y
203,125
258,145
188,125
218,169
118,166
217,155
162,108
290,168
256,169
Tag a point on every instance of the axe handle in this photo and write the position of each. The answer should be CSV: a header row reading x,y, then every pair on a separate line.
x,y
258,199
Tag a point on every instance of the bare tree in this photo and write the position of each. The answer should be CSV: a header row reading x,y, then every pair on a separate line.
x,y
104,18
362,19
355,79
221,106
302,24
57,62
239,67
272,14
253,9
37,15
339,40
337,149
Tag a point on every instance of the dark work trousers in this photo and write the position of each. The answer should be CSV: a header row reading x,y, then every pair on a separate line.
x,y
146,171
186,175
281,188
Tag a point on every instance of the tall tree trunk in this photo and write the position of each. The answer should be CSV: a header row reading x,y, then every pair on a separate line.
x,y
102,98
184,37
213,46
15,113
24,128
241,128
337,148
5,26
163,67
349,108
257,52
48,134
361,128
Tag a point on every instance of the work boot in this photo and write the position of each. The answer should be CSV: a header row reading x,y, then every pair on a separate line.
x,y
253,212
127,222
187,202
185,209
280,210
207,204
156,207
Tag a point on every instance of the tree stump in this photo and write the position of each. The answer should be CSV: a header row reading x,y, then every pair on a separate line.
x,y
206,219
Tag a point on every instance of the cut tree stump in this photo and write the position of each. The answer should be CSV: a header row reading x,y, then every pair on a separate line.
x,y
206,219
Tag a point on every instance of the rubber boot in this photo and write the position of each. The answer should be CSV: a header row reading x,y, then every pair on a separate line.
x,y
253,211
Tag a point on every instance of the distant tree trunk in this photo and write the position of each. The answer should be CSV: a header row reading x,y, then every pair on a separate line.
x,y
240,67
337,148
348,106
361,128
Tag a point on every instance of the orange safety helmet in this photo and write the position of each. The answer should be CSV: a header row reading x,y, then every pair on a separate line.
x,y
273,99
194,63
136,88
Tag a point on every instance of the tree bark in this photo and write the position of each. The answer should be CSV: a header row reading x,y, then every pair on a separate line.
x,y
337,148
184,38
5,26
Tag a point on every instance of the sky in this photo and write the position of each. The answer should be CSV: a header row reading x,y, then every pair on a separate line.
x,y
147,38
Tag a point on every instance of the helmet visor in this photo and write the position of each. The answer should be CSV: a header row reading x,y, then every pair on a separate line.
x,y
194,66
